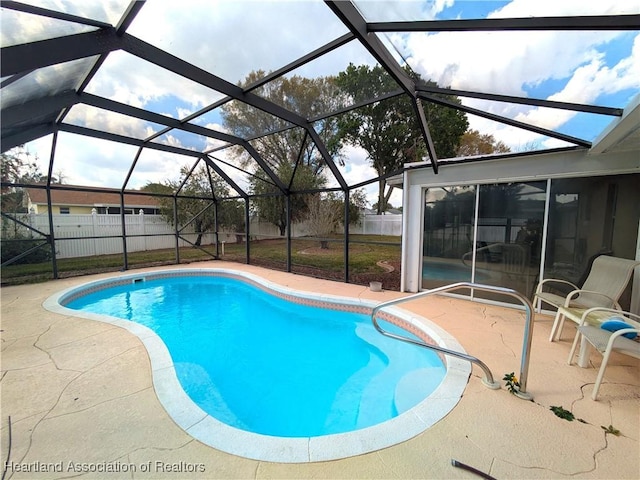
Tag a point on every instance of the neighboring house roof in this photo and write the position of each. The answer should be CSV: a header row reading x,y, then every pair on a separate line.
x,y
92,199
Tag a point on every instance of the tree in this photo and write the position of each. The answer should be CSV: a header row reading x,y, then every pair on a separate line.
x,y
475,143
384,208
323,215
298,165
17,166
270,204
388,130
357,203
308,97
199,211
325,212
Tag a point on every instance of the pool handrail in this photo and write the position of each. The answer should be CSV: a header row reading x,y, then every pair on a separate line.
x,y
488,379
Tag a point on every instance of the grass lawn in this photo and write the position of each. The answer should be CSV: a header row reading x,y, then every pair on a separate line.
x,y
307,257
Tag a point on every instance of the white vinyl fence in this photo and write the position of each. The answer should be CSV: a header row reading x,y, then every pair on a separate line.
x,y
390,224
79,229
368,225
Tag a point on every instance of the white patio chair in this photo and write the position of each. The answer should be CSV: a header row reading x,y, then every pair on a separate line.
x,y
605,341
607,280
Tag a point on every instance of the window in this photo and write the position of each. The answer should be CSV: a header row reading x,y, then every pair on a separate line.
x,y
64,210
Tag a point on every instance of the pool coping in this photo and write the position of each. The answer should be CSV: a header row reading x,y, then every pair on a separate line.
x,y
216,434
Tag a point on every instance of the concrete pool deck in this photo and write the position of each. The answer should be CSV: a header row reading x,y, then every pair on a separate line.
x,y
80,397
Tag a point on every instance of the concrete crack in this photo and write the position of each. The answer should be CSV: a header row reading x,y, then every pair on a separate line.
x,y
86,372
7,343
26,368
95,404
78,339
30,441
395,473
163,449
536,468
506,345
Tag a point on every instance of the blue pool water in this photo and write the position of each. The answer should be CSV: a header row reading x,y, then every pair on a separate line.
x,y
259,363
450,272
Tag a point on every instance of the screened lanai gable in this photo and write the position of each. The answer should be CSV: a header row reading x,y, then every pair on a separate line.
x,y
175,65
509,91
121,94
356,23
360,27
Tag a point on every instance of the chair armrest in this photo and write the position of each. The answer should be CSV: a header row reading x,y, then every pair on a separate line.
x,y
575,293
618,333
548,280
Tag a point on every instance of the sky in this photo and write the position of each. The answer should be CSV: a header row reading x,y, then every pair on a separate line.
x,y
230,38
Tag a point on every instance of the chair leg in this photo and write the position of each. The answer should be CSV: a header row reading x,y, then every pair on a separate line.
x,y
603,367
554,328
537,304
573,347
560,326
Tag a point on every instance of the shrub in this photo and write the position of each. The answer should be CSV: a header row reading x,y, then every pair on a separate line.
x,y
13,247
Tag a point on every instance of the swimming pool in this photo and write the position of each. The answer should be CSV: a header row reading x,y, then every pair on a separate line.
x,y
238,413
450,272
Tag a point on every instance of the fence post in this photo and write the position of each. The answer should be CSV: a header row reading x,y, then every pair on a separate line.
x,y
143,229
94,220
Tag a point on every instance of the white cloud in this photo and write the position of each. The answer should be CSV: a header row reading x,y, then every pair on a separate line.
x,y
208,34
105,120
400,10
554,8
92,162
128,79
501,62
511,62
156,166
358,169
271,35
587,84
591,80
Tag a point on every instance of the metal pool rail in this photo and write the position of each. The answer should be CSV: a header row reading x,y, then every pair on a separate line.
x,y
488,378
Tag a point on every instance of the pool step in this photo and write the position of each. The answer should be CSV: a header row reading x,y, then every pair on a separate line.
x,y
343,405
415,386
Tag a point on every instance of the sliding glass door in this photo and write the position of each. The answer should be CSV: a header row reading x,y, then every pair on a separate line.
x,y
509,239
504,236
448,235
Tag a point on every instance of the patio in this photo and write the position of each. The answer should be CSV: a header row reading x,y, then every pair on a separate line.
x,y
80,398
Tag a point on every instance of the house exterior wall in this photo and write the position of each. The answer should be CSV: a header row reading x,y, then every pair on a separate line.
x,y
567,164
81,202
73,209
